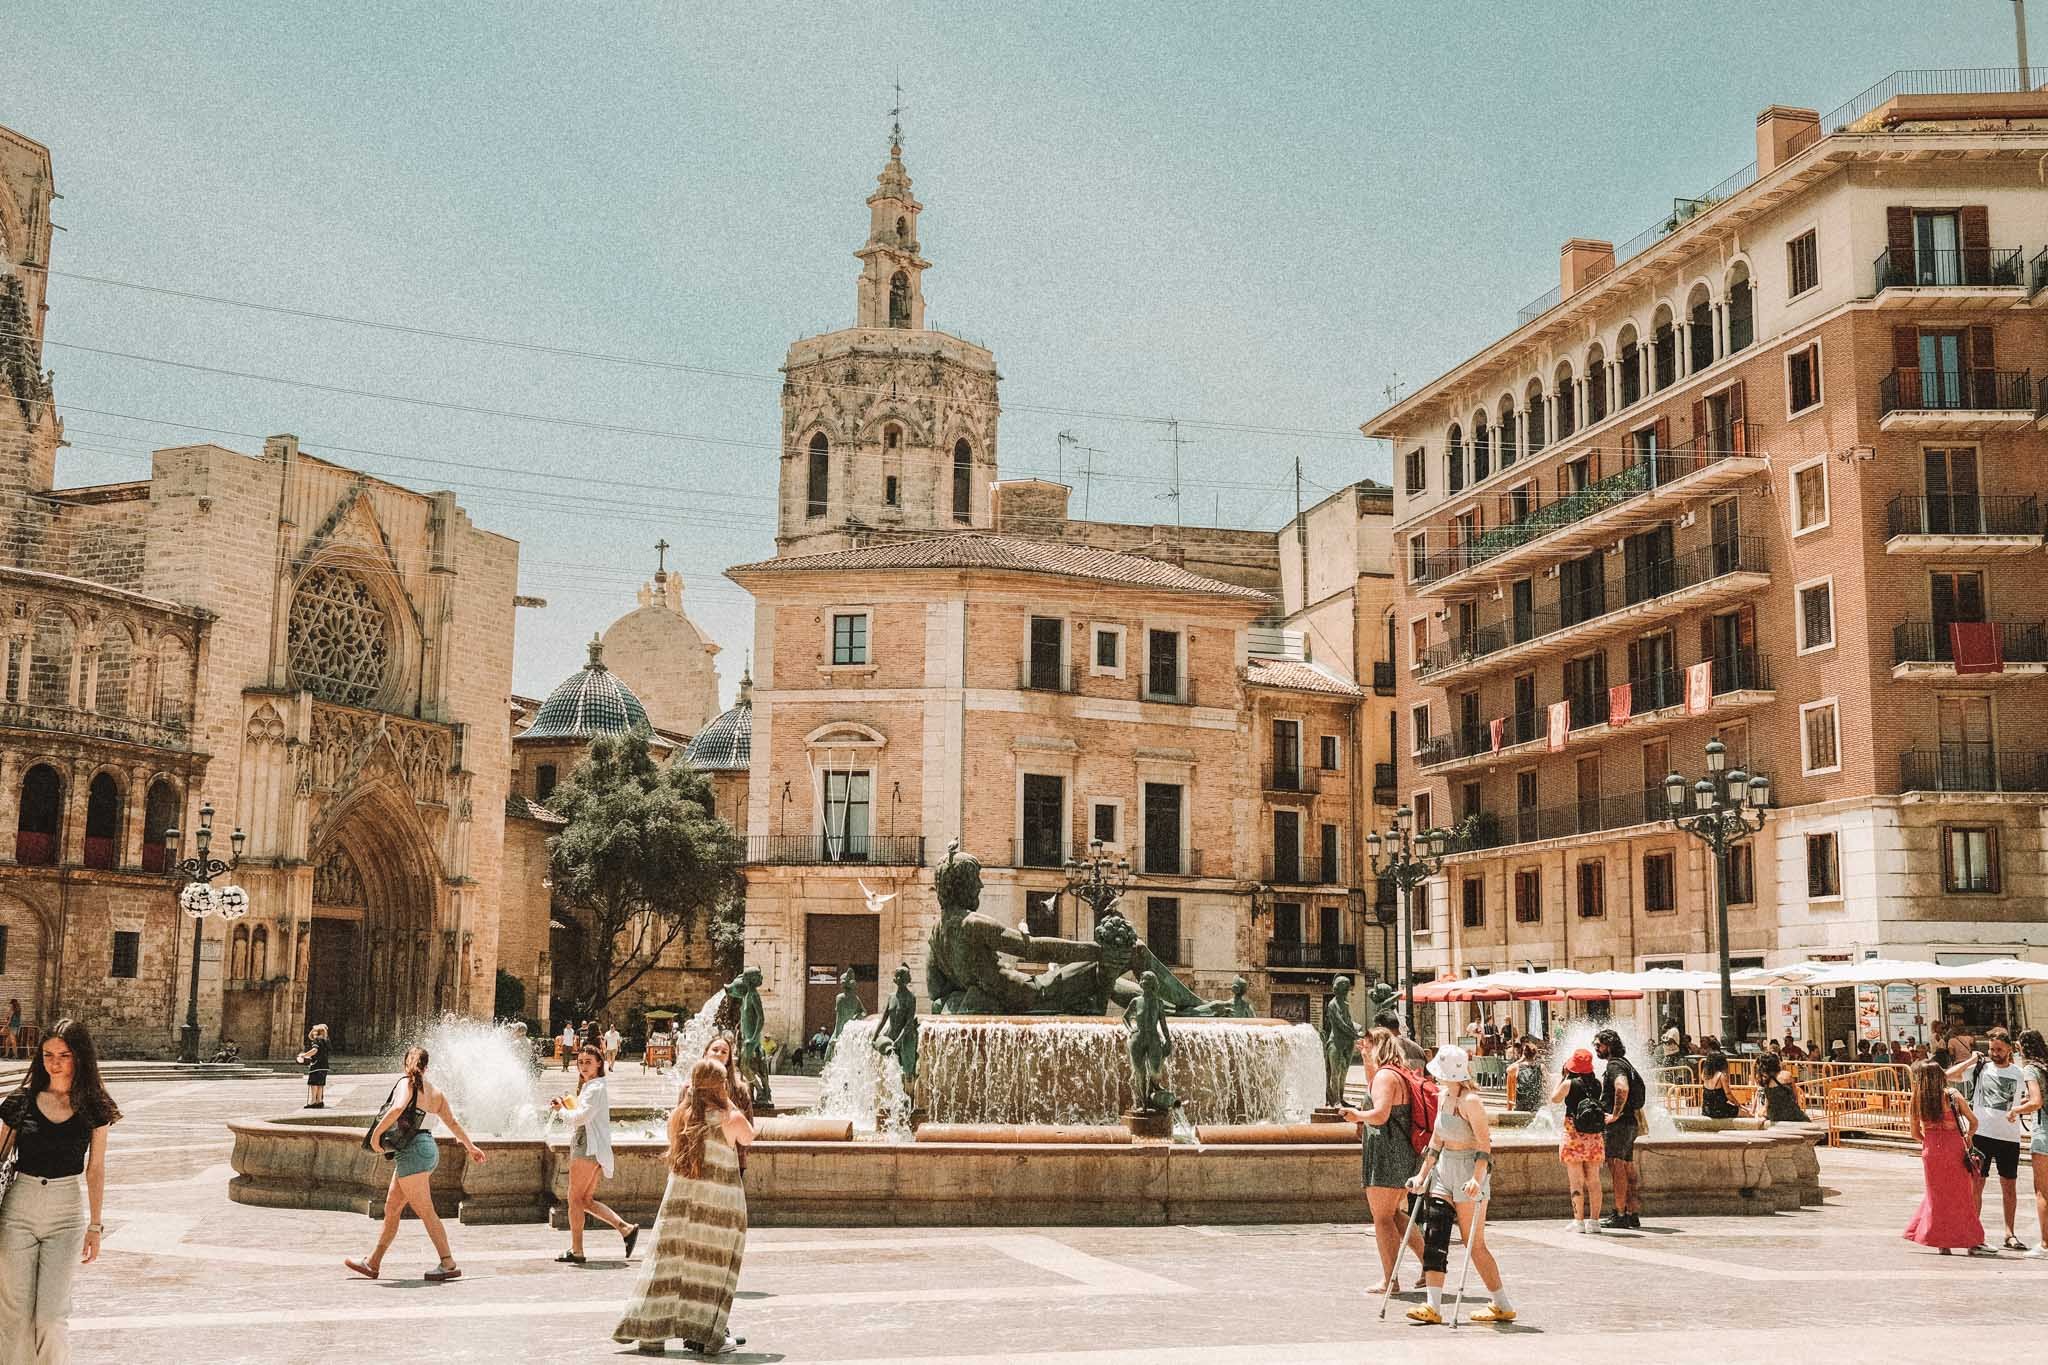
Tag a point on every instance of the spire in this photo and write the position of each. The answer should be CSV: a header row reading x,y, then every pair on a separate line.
x,y
596,651
891,283
746,687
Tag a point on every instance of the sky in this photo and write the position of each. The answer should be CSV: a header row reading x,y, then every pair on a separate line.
x,y
1253,218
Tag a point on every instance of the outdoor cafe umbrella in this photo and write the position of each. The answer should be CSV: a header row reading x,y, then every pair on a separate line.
x,y
658,1014
1891,972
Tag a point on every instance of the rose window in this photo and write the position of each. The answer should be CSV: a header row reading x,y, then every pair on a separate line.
x,y
339,638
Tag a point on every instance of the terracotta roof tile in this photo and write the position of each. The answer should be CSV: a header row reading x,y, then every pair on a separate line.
x,y
981,550
520,808
1298,677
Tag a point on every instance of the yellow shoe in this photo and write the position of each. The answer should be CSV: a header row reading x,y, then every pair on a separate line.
x,y
1494,1313
1422,1312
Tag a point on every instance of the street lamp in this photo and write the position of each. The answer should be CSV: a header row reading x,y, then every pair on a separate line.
x,y
1100,879
1409,859
1724,805
198,898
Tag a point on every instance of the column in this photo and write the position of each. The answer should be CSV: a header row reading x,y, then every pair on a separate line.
x,y
71,833
135,805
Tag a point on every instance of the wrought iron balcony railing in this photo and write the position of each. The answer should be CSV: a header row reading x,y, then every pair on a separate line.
x,y
1962,514
1994,267
1041,676
1293,777
1287,954
1973,767
806,850
1926,642
1912,389
1305,870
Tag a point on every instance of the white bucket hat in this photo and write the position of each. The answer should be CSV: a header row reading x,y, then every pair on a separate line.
x,y
1451,1063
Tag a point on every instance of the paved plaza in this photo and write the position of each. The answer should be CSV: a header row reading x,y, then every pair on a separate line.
x,y
190,1276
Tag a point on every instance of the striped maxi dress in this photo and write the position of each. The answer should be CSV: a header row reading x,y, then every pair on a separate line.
x,y
686,1287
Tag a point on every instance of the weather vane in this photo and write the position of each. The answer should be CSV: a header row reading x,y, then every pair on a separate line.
x,y
896,116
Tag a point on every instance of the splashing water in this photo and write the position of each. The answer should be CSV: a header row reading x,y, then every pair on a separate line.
x,y
1659,1121
691,1040
488,1077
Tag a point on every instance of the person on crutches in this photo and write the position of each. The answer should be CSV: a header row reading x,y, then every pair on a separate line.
x,y
1455,1182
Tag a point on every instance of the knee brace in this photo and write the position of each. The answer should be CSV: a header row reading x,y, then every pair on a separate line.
x,y
1436,1218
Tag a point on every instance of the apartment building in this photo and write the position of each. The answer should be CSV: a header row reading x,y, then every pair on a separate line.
x,y
1769,474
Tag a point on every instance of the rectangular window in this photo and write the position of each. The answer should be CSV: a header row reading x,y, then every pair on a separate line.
x,y
1528,896
1287,755
850,638
1329,873
127,954
1802,264
1802,379
1741,873
963,483
1819,738
1042,914
1823,870
1418,557
1286,922
1330,748
1969,858
1810,497
1162,828
1109,649
1048,653
1816,616
1162,928
1660,883
1592,889
1425,811
891,495
1418,471
1102,822
1045,805
3,950
1162,664
1287,847
849,808
1472,892
1418,725
1418,641
820,479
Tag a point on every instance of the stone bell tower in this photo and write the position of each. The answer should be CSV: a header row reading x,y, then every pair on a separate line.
x,y
888,427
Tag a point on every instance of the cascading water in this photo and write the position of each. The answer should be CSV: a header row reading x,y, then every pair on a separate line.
x,y
1550,1119
693,1038
488,1077
1073,1071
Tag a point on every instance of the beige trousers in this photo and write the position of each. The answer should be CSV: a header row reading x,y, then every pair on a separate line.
x,y
42,1234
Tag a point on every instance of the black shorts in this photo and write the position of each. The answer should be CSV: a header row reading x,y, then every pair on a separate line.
x,y
1620,1141
316,1078
1999,1153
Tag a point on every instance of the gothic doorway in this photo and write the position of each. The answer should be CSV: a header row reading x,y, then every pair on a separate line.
x,y
377,967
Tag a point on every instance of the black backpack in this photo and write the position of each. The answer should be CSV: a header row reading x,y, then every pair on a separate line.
x,y
1638,1093
1587,1115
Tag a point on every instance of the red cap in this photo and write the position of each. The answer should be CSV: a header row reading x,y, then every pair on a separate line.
x,y
1581,1063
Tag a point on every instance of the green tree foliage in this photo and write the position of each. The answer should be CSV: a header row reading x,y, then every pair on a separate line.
x,y
511,1001
642,863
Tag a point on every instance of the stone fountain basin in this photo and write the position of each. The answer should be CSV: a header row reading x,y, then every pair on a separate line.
x,y
300,1162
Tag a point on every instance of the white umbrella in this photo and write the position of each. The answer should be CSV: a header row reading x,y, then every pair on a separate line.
x,y
1669,979
1882,971
1784,976
1999,971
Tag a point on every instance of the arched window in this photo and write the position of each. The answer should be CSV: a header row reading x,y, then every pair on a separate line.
x,y
42,802
903,231
1663,351
1566,402
892,437
1596,386
103,821
259,954
1741,311
1700,317
963,481
820,477
1534,424
1629,356
159,813
899,300
543,781
1507,436
1454,458
1482,447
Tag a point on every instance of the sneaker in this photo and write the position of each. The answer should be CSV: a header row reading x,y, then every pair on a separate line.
x,y
1572,1226
1635,1222
1493,1312
1422,1312
2038,1254
1615,1221
1590,1225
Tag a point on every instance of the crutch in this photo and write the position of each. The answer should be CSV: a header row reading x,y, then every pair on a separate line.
x,y
1414,1203
1478,1226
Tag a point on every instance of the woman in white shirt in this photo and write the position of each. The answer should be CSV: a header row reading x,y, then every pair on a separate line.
x,y
588,1112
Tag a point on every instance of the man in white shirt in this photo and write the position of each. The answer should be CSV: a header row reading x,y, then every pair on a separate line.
x,y
1995,1085
568,1043
611,1046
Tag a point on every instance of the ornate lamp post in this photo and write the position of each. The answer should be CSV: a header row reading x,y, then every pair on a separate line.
x,y
198,898
1100,879
1409,859
1724,806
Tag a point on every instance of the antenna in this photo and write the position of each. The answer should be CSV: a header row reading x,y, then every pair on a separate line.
x,y
1392,389
1088,476
1174,438
1059,459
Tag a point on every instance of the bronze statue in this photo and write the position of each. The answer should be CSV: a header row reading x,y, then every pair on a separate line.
x,y
845,1010
1340,1040
896,1034
745,990
1150,1045
1240,1008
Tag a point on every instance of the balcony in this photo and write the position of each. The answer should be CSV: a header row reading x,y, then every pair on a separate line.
x,y
1183,696
1973,767
1291,779
1385,789
1724,571
1955,402
1962,523
1595,815
1383,678
1042,676
1167,861
824,850
1301,871
1926,649
1649,487
2037,272
1736,682
73,720
1970,277
1288,956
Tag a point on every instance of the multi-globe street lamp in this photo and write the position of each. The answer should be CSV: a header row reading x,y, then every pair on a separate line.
x,y
1724,805
198,899
1408,859
1100,879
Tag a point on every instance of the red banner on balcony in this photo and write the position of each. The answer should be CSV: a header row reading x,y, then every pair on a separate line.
x,y
1976,647
1560,724
1699,688
1619,698
1494,729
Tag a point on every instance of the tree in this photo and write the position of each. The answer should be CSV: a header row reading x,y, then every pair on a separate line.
x,y
643,863
511,997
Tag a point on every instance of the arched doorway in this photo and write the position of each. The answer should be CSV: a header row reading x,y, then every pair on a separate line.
x,y
375,968
37,825
21,959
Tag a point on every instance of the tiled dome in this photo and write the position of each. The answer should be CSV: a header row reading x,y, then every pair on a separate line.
x,y
727,743
589,703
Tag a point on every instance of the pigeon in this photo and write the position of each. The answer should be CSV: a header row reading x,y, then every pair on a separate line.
x,y
875,902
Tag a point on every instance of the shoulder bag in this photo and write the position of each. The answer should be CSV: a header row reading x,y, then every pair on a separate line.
x,y
404,1128
1973,1160
11,1113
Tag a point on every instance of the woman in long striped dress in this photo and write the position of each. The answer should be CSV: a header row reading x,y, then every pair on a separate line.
x,y
686,1286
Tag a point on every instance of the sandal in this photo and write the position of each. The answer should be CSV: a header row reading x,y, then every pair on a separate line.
x,y
2014,1244
443,1274
569,1258
362,1268
632,1235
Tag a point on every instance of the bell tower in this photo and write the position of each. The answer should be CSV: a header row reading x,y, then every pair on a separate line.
x,y
888,426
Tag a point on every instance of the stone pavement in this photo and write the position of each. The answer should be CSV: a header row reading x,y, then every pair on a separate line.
x,y
190,1276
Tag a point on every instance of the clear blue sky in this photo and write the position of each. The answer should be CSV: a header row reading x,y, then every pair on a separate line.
x,y
1240,213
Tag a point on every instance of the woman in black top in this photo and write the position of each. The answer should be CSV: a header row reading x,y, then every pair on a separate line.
x,y
56,1125
1715,1101
314,1058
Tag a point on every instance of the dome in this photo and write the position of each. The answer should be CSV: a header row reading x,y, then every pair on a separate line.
x,y
588,703
727,743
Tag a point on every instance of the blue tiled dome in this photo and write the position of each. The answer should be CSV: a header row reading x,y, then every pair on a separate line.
x,y
589,703
727,743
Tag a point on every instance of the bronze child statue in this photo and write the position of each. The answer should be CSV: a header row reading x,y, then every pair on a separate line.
x,y
896,1034
1150,1046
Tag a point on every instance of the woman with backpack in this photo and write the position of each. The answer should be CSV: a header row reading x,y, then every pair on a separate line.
x,y
404,1136
1455,1182
1387,1147
1584,1147
1525,1078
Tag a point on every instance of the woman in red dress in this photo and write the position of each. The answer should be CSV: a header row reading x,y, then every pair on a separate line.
x,y
1942,1123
